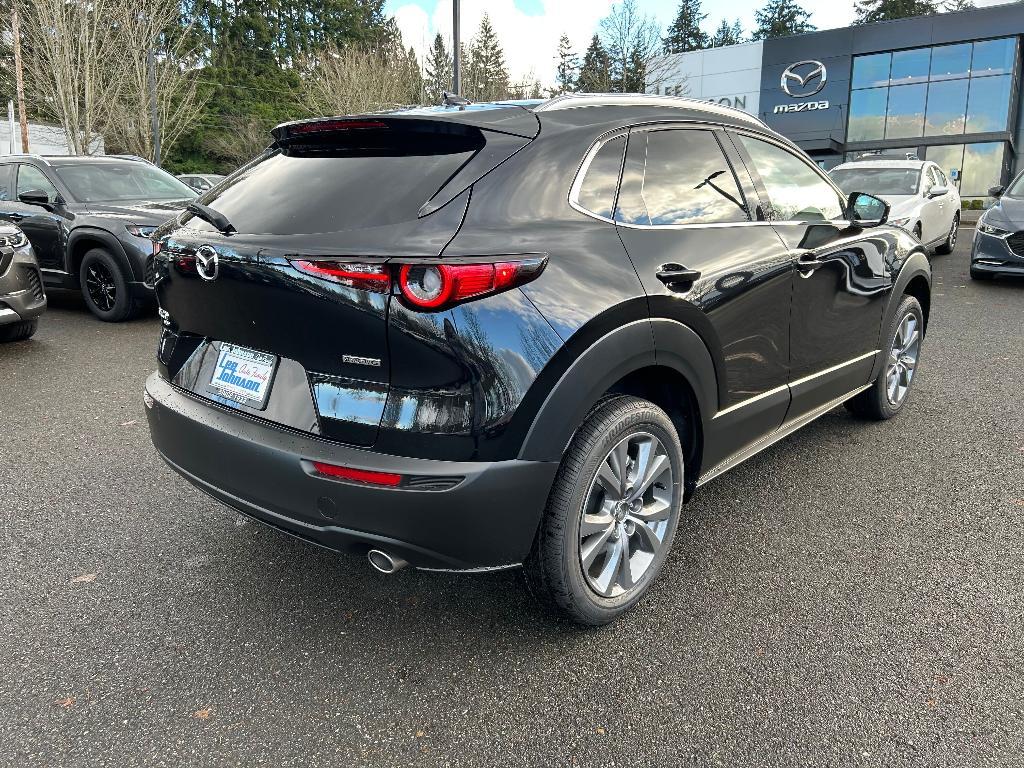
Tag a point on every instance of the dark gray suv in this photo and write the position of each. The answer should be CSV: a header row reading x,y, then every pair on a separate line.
x,y
89,221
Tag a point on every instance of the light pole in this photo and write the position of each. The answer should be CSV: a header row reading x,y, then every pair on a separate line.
x,y
456,79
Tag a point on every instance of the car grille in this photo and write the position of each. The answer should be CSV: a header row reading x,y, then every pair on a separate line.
x,y
1016,243
34,283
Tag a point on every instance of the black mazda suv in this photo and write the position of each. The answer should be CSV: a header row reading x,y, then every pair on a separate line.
x,y
520,334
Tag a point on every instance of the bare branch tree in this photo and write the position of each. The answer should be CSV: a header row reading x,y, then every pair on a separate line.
x,y
72,45
633,43
357,79
246,138
142,24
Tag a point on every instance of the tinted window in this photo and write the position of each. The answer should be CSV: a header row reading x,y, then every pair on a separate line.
x,y
989,104
910,66
31,178
118,182
871,71
906,111
947,105
950,61
993,57
597,190
867,114
678,177
796,191
6,182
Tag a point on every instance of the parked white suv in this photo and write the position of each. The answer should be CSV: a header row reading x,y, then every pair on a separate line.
x,y
923,200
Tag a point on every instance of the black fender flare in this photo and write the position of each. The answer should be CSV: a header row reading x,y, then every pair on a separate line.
x,y
621,351
110,243
915,265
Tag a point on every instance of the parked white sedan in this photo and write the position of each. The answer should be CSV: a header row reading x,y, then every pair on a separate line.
x,y
923,200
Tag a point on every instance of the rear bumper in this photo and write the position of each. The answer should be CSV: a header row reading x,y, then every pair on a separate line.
x,y
487,520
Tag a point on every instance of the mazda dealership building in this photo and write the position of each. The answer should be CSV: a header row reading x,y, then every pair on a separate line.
x,y
945,87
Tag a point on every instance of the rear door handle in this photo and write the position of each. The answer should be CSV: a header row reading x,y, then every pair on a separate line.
x,y
809,260
676,274
13,216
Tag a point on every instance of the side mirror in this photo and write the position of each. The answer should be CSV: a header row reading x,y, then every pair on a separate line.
x,y
937,191
996,191
866,210
35,197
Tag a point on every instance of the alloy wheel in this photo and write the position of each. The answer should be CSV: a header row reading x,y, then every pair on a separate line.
x,y
626,515
101,286
906,346
953,232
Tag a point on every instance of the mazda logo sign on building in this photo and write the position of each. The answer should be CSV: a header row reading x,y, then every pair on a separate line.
x,y
804,79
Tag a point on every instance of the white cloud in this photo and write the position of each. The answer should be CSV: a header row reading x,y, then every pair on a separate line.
x,y
530,42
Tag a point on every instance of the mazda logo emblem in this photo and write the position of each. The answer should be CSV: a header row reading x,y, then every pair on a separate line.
x,y
803,79
206,262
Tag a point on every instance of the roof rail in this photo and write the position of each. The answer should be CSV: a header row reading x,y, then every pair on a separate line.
x,y
575,100
31,155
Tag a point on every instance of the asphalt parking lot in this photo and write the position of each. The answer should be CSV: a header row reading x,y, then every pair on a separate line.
x,y
852,596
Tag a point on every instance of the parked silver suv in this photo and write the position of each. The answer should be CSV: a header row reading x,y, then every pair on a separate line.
x,y
22,300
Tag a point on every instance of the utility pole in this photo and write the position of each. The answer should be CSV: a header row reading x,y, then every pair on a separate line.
x,y
456,50
19,78
154,116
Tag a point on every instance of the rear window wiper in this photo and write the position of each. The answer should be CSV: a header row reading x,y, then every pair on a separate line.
x,y
206,213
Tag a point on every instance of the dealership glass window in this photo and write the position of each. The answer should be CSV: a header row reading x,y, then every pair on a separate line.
x,y
867,114
871,71
910,66
951,61
905,118
949,157
988,104
947,104
983,168
994,57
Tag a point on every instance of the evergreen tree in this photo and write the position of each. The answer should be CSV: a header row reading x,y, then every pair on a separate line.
x,y
567,68
595,72
957,5
487,77
778,18
439,70
869,11
685,34
727,34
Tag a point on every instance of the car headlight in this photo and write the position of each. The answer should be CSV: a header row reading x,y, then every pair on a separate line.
x,y
140,230
989,229
902,223
12,237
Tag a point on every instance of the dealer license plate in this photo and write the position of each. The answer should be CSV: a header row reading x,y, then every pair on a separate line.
x,y
243,375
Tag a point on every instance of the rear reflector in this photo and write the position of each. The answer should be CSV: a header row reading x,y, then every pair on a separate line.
x,y
366,476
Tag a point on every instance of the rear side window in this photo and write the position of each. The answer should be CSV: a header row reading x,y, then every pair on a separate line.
x,y
596,191
372,179
796,190
678,177
6,182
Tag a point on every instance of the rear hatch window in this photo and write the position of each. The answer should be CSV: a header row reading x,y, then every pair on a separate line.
x,y
347,179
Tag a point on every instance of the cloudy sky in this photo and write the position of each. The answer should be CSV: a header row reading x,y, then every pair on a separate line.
x,y
529,29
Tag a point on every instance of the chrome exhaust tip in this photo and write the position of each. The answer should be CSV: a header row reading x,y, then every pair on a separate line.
x,y
385,563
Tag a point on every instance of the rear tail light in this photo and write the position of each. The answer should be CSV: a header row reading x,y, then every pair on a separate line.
x,y
429,286
367,277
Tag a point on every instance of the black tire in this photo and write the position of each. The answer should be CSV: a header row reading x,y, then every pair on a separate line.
x,y
105,287
950,242
875,402
18,331
554,569
977,274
